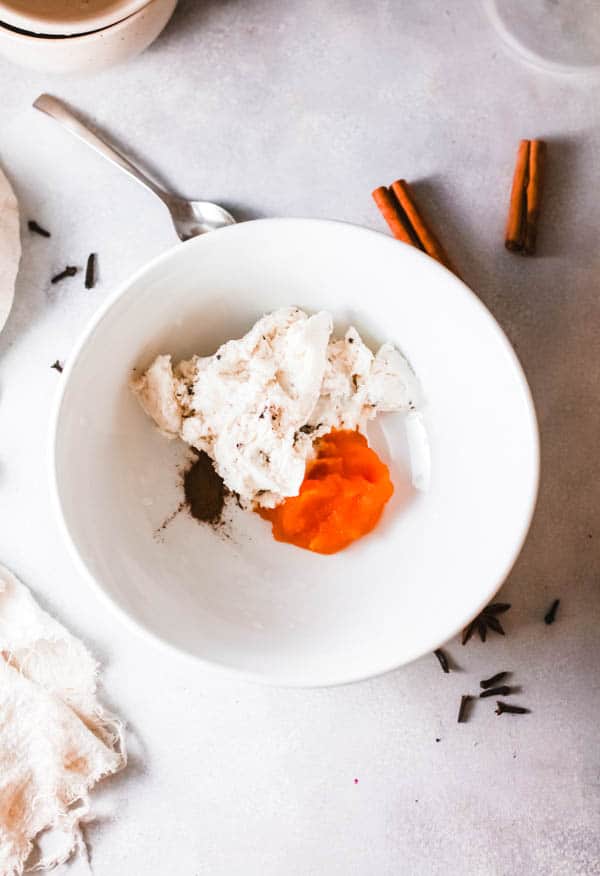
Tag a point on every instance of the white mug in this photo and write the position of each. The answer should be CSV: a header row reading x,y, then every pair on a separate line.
x,y
60,41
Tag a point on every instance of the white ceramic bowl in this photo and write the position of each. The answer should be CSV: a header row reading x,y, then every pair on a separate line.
x,y
272,611
76,16
90,52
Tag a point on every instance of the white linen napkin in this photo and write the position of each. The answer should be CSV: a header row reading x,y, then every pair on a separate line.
x,y
56,740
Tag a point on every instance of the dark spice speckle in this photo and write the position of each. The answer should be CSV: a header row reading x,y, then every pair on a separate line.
x,y
90,271
69,271
506,708
37,229
550,615
463,710
495,679
503,691
443,660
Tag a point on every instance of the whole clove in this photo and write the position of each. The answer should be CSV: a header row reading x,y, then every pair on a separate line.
x,y
490,682
37,229
57,366
69,271
550,615
463,709
90,271
501,708
503,691
443,660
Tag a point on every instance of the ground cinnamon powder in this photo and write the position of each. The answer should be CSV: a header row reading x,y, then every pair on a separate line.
x,y
204,489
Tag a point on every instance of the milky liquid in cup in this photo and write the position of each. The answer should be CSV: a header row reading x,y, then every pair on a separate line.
x,y
64,10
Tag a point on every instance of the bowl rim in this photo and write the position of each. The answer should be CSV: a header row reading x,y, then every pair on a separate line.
x,y
40,25
236,672
77,39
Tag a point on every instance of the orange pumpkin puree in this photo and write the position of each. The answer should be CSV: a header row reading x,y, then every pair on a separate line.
x,y
341,498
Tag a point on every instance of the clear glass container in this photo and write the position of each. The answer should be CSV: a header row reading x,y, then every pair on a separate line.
x,y
561,36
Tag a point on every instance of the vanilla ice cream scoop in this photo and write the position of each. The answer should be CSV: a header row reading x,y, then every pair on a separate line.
x,y
258,404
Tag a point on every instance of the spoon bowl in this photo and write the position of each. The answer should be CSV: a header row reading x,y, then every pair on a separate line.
x,y
192,218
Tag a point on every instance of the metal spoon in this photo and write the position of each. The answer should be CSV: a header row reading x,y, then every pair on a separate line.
x,y
190,218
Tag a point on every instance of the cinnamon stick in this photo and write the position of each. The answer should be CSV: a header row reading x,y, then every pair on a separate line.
x,y
537,156
429,242
517,212
388,205
400,211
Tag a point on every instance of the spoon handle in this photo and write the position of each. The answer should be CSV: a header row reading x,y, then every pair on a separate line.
x,y
58,111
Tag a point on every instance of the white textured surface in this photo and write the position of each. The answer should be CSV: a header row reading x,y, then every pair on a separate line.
x,y
301,109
